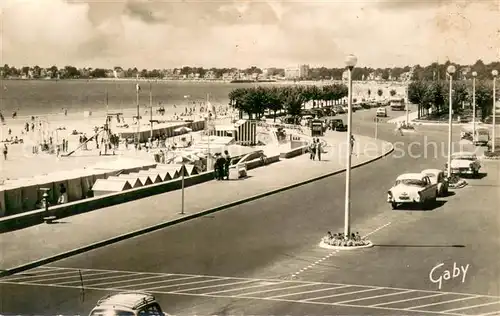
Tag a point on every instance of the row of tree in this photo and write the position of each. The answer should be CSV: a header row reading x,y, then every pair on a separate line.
x,y
255,101
435,95
434,71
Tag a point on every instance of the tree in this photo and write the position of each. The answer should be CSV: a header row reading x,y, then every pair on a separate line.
x,y
460,94
435,96
417,91
484,100
392,92
274,101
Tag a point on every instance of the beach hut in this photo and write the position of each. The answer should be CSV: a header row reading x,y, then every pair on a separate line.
x,y
31,194
13,200
134,182
103,187
145,179
173,170
164,175
154,176
190,170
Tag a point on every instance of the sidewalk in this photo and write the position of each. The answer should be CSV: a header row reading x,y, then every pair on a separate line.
x,y
42,241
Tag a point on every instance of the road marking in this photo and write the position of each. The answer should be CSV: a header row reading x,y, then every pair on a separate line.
x,y
98,279
341,294
163,281
313,291
212,286
188,283
444,302
75,275
272,290
376,296
129,280
409,299
495,313
248,287
473,306
376,230
38,276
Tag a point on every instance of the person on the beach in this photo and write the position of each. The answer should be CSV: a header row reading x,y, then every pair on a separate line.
x,y
63,195
5,151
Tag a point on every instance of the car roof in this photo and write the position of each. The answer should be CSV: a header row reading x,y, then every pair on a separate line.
x,y
131,300
463,153
410,176
381,108
436,171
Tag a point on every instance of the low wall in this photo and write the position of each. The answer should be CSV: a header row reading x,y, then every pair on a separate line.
x,y
73,208
295,152
258,162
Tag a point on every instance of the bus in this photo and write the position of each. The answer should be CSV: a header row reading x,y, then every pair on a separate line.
x,y
397,104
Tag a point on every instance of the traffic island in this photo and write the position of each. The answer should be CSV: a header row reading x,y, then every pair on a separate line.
x,y
492,155
340,242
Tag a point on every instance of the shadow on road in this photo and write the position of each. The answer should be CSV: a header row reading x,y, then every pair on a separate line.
x,y
421,246
479,176
414,207
449,193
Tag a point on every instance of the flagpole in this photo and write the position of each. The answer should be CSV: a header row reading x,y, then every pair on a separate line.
x,y
209,132
137,88
151,109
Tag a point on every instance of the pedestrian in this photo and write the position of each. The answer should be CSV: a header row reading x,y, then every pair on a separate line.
x,y
352,143
319,148
63,195
5,151
227,163
312,150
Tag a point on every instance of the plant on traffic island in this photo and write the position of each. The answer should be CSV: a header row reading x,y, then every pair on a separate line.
x,y
492,154
456,182
340,240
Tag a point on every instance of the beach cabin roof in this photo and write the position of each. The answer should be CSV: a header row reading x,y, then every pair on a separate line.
x,y
172,169
154,176
134,182
145,179
111,185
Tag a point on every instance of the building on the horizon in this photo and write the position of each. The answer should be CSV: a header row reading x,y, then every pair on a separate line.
x,y
299,72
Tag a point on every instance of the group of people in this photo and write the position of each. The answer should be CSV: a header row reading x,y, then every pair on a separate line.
x,y
221,165
316,149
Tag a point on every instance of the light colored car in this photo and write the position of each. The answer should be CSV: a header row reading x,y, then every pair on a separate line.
x,y
382,112
437,177
128,304
464,163
412,188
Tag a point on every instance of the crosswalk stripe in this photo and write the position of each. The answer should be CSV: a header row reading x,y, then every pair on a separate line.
x,y
495,313
376,296
409,299
98,279
196,282
470,307
129,280
163,281
272,290
313,291
212,286
342,294
75,275
443,302
38,276
247,287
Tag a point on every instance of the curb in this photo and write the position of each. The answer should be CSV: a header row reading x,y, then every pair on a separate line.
x,y
326,246
159,226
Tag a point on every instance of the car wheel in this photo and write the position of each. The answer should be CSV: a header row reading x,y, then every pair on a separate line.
x,y
394,205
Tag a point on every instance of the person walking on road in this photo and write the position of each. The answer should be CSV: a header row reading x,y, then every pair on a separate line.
x,y
352,144
399,128
227,163
319,148
312,149
5,151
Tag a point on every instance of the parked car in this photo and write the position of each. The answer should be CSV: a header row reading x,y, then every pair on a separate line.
x,y
382,112
127,304
346,108
497,144
412,188
338,125
339,109
437,177
464,163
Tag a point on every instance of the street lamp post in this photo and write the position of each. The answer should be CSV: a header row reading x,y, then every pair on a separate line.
x,y
350,62
494,73
474,75
450,70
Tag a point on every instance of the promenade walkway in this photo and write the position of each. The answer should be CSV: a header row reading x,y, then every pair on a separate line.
x,y
46,240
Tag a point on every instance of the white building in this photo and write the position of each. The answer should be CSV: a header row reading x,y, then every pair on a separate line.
x,y
299,72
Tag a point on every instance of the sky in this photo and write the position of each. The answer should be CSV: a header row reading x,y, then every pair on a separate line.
x,y
263,33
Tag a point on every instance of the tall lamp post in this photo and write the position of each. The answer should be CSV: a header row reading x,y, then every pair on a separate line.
x,y
350,62
494,73
474,75
450,70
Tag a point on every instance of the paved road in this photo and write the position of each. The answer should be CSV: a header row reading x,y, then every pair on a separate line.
x,y
262,258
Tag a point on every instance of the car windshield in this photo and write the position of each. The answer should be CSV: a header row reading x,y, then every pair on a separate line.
x,y
472,158
414,182
110,312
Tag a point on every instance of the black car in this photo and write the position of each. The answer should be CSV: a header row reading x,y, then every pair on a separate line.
x,y
337,125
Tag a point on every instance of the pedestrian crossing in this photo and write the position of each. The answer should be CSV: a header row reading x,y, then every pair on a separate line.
x,y
280,290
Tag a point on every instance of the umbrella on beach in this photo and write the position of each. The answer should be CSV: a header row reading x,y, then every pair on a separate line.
x,y
183,129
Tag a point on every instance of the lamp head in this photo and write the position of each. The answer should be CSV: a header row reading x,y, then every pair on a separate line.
x,y
351,61
474,74
494,72
451,69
